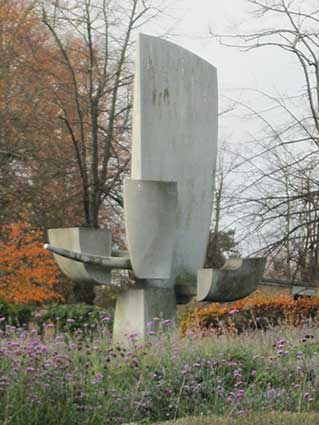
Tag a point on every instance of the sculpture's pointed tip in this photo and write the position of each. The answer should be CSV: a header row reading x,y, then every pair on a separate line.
x,y
45,246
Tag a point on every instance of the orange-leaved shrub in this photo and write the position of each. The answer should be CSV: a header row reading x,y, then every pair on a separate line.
x,y
257,311
28,273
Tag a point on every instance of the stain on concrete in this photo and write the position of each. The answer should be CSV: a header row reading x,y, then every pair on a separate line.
x,y
166,96
154,96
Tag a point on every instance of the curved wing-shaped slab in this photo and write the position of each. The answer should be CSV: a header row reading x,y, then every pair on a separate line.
x,y
82,240
150,218
235,280
119,262
175,139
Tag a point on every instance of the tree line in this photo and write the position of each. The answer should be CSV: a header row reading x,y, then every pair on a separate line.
x,y
65,101
275,206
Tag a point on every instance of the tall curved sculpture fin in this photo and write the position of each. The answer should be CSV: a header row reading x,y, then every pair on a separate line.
x,y
175,139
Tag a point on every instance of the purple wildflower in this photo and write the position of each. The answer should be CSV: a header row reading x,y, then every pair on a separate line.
x,y
105,318
237,373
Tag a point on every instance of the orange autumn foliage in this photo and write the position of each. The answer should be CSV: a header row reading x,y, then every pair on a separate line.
x,y
28,273
37,165
258,311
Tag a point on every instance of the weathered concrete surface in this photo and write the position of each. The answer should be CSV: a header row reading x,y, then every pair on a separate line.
x,y
135,308
237,279
116,262
175,139
151,220
83,240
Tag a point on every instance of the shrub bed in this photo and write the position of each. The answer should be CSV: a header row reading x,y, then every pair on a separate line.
x,y
61,317
15,314
71,318
254,312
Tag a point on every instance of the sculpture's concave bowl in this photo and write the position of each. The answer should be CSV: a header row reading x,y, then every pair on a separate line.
x,y
82,240
151,222
237,279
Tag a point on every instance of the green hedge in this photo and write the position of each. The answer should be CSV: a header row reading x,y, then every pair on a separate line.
x,y
15,314
65,317
74,316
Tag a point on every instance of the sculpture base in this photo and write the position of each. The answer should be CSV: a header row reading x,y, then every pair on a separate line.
x,y
136,308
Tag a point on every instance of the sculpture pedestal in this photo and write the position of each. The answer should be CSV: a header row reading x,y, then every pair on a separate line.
x,y
135,308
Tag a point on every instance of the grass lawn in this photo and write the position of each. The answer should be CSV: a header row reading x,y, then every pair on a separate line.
x,y
269,418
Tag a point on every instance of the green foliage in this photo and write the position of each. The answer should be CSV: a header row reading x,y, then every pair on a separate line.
x,y
71,317
219,245
15,314
64,317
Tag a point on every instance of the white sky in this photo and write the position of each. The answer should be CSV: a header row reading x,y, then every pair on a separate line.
x,y
266,69
269,70
263,69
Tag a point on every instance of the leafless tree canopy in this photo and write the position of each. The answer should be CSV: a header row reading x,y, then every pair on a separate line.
x,y
94,41
277,199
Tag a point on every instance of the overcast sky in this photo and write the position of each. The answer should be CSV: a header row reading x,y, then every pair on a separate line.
x,y
266,69
269,70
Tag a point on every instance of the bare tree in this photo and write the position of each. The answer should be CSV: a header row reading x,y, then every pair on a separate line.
x,y
277,200
221,241
94,41
298,34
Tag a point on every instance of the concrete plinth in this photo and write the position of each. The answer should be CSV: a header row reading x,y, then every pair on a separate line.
x,y
135,308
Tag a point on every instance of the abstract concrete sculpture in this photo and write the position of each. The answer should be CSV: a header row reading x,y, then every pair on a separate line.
x,y
168,200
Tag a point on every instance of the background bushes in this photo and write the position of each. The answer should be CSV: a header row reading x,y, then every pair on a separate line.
x,y
255,312
15,314
61,317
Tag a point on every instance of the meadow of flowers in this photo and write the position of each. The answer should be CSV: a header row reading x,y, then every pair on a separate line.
x,y
76,377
